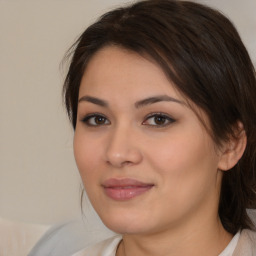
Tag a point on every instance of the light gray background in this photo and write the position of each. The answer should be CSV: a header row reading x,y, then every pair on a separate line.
x,y
39,181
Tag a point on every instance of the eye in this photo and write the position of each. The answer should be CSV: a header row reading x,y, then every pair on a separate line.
x,y
158,120
95,120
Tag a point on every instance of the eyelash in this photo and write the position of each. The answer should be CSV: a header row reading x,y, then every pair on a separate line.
x,y
90,117
167,120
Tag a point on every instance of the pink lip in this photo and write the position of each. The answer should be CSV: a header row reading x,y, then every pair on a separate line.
x,y
125,189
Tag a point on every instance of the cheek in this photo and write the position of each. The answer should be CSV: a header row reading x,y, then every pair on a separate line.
x,y
184,161
187,174
86,154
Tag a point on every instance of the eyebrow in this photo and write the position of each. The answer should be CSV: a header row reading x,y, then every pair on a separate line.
x,y
138,104
155,99
94,100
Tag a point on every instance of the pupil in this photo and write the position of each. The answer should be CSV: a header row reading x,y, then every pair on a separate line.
x,y
160,120
100,120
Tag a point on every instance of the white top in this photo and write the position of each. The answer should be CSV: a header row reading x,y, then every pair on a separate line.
x,y
108,247
231,246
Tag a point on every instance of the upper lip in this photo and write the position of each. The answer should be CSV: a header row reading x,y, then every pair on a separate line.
x,y
125,182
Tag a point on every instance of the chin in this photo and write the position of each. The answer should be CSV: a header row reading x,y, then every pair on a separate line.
x,y
125,228
124,223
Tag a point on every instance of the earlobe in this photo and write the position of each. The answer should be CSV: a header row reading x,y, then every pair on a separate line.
x,y
233,149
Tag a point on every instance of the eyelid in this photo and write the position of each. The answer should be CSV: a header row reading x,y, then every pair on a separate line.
x,y
87,117
161,114
90,116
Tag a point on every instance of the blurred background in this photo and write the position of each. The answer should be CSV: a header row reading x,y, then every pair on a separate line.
x,y
39,181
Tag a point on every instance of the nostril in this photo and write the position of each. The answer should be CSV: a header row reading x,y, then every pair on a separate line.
x,y
122,152
128,158
127,163
119,163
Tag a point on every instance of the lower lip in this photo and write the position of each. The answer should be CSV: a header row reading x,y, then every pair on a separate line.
x,y
122,194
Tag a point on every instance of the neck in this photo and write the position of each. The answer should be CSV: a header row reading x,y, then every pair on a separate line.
x,y
209,238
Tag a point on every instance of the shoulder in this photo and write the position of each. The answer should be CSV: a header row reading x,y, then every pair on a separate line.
x,y
246,245
104,248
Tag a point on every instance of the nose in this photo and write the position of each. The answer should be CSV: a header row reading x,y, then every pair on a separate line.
x,y
123,148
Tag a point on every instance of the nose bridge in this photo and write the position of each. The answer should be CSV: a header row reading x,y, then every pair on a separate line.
x,y
122,148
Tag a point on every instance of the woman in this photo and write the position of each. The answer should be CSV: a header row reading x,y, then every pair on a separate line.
x,y
161,95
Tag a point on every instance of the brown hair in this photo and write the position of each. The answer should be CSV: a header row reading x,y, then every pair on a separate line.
x,y
201,52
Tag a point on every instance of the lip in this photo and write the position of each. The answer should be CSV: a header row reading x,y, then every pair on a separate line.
x,y
125,189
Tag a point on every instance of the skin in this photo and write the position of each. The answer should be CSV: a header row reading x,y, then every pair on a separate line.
x,y
179,214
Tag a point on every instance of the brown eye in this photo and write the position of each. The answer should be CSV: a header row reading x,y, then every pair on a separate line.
x,y
158,120
99,120
95,120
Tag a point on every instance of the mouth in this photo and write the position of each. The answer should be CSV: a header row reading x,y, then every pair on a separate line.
x,y
125,189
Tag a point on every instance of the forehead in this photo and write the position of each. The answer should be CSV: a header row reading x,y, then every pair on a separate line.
x,y
123,70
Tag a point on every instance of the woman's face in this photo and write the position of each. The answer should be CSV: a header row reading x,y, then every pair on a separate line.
x,y
146,161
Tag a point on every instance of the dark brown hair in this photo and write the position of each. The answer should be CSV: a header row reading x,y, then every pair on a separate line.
x,y
202,54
